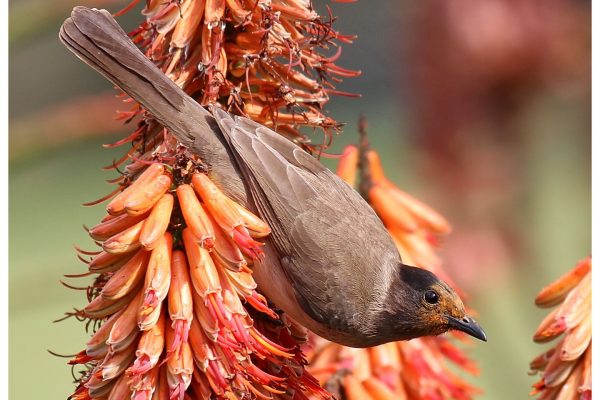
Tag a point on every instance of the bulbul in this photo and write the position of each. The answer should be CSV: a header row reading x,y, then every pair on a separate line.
x,y
329,261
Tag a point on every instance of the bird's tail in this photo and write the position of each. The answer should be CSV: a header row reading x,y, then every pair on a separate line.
x,y
96,38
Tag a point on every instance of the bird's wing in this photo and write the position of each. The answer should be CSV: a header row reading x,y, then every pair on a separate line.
x,y
317,220
282,176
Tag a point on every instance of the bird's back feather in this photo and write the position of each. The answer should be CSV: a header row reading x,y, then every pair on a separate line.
x,y
318,223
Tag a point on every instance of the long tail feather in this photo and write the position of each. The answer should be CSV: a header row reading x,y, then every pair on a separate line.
x,y
96,38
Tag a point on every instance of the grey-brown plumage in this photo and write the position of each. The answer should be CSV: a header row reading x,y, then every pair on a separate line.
x,y
329,262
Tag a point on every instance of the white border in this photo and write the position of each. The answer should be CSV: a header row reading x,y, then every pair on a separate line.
x,y
595,196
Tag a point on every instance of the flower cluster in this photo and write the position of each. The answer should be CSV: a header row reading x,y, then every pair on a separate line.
x,y
566,368
415,369
264,59
174,294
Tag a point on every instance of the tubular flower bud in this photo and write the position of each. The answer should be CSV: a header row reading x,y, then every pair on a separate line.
x,y
125,241
117,205
158,280
150,348
157,222
181,306
565,369
348,165
230,217
195,216
125,280
115,225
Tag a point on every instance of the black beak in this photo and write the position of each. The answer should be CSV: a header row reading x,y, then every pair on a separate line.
x,y
468,326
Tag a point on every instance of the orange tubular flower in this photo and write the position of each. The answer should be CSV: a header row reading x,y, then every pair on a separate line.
x,y
181,310
415,369
566,368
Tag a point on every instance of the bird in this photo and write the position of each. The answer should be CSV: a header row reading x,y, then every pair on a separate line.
x,y
329,262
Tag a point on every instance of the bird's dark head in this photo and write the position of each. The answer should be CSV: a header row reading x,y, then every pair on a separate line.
x,y
420,304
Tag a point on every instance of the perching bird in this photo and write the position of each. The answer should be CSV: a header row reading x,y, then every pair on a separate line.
x,y
329,261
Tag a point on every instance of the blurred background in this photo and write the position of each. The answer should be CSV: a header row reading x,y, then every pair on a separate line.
x,y
481,109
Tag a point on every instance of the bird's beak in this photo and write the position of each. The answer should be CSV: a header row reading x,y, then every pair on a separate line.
x,y
468,326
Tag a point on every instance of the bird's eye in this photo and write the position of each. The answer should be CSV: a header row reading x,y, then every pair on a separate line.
x,y
431,297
